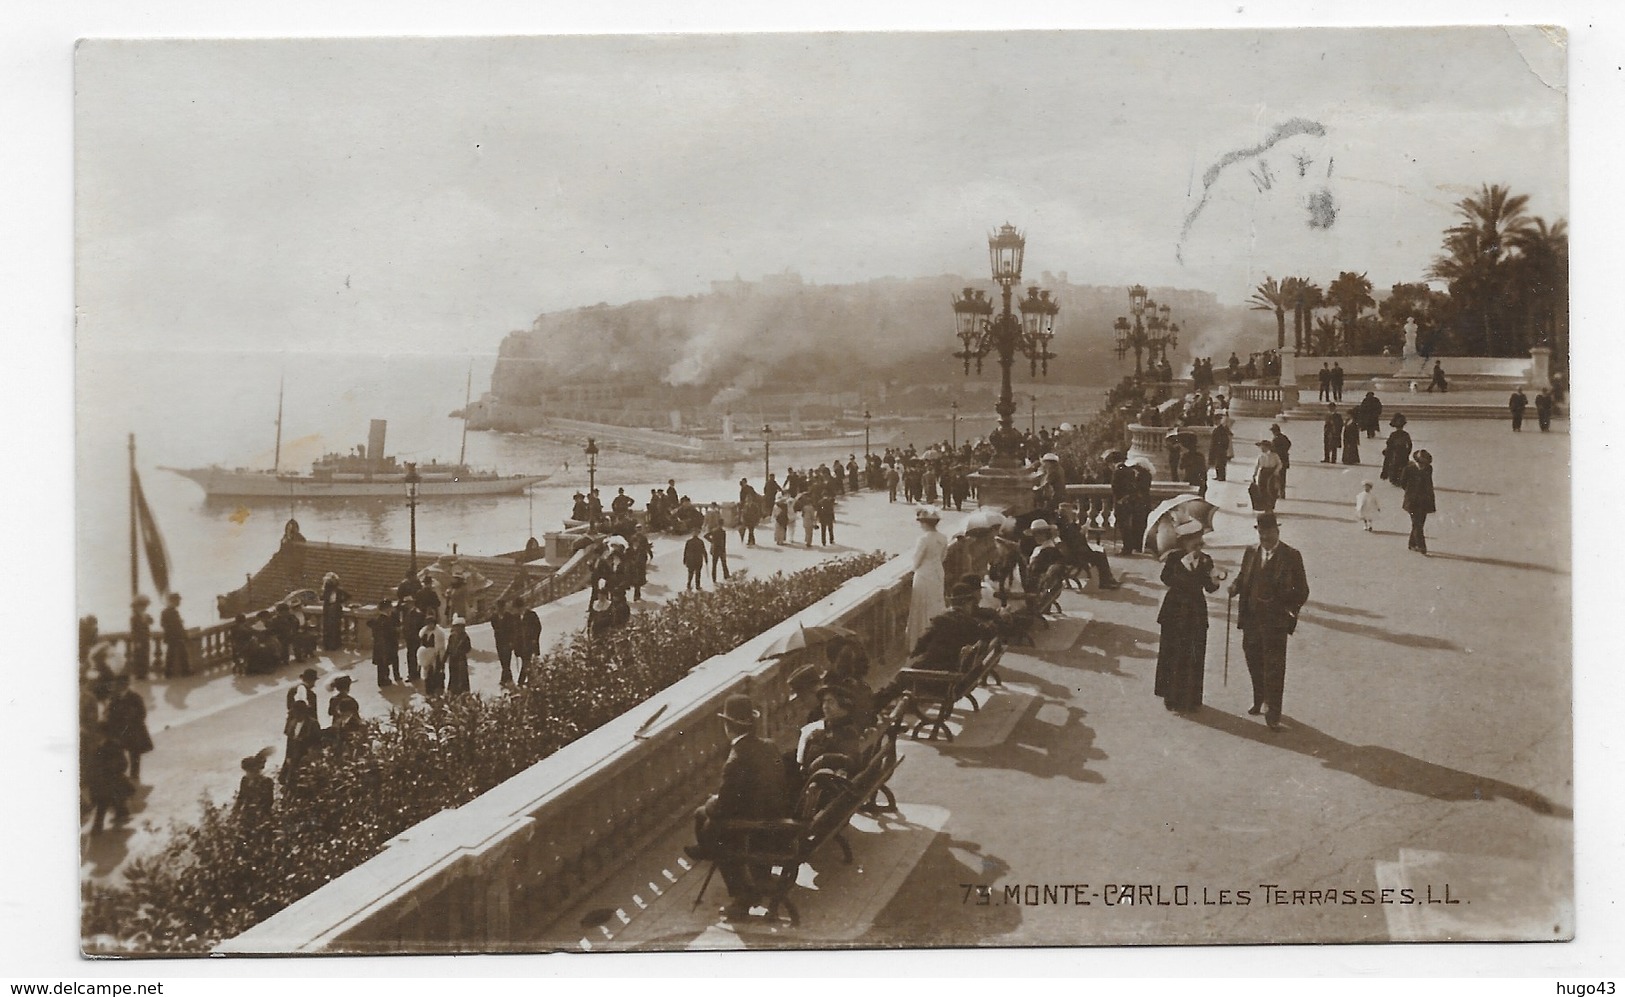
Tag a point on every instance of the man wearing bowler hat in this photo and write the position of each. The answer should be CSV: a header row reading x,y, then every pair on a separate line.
x,y
1273,588
752,789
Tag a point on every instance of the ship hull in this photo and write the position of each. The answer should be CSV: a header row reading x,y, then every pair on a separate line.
x,y
222,483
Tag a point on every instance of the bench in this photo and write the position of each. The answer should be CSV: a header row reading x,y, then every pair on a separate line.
x,y
827,801
1038,605
940,691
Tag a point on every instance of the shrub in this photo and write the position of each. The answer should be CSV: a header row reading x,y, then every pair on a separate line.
x,y
216,878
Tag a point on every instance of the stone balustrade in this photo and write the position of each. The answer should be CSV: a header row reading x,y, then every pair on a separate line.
x,y
493,874
1256,399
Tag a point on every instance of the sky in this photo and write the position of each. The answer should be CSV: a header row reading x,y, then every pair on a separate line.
x,y
433,194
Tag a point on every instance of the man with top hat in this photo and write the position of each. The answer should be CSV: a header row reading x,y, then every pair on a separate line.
x,y
305,692
1272,588
753,788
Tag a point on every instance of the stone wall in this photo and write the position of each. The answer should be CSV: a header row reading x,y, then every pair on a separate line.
x,y
491,875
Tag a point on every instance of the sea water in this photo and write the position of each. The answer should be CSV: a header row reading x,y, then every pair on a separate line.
x,y
191,409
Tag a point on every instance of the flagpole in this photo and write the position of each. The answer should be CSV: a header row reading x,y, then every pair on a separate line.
x,y
276,461
468,397
135,575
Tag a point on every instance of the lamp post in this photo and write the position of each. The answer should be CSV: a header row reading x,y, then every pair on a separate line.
x,y
866,435
591,450
953,425
982,333
412,480
1032,423
767,450
1005,483
1151,332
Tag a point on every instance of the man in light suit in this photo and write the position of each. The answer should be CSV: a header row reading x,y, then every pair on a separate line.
x,y
753,788
1273,589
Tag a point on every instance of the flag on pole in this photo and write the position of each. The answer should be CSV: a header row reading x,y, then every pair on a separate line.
x,y
151,540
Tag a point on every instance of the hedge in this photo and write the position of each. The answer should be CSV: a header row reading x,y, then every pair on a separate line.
x,y
214,878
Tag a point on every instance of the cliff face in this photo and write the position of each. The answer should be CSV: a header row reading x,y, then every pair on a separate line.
x,y
782,334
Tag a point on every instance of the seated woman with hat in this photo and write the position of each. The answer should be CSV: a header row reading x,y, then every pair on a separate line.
x,y
836,741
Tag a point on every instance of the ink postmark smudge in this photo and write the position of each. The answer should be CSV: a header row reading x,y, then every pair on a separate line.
x,y
1321,205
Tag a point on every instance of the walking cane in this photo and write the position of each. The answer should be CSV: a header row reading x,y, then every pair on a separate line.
x,y
708,874
1227,603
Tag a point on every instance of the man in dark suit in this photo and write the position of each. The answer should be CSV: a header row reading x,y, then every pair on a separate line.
x,y
1337,382
1331,434
949,633
1517,403
753,788
1283,450
1273,588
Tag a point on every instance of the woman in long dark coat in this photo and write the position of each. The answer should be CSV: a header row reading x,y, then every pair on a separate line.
x,y
1419,498
1351,441
127,722
1182,653
1397,452
458,647
333,600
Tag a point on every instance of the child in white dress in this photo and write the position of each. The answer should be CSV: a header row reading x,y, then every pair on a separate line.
x,y
1366,505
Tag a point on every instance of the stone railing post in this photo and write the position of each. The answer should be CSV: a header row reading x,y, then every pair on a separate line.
x,y
1289,379
1540,367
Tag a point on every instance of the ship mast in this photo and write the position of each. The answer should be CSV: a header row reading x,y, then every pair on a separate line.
x,y
468,397
276,461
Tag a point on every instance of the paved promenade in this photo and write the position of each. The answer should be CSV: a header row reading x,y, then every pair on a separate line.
x,y
203,726
1427,745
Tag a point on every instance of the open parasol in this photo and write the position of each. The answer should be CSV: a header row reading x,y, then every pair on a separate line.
x,y
803,637
1160,524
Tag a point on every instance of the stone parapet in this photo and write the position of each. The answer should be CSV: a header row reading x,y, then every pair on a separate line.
x,y
489,876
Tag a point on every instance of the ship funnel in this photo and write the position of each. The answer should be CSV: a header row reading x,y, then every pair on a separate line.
x,y
375,443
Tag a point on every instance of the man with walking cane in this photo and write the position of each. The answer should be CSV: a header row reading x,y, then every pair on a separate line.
x,y
1273,588
753,787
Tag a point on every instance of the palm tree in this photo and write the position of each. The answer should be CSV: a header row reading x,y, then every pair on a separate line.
x,y
1269,297
1475,260
1309,297
1324,338
1544,271
1351,294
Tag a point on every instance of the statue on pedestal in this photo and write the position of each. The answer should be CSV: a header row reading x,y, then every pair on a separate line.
x,y
1409,352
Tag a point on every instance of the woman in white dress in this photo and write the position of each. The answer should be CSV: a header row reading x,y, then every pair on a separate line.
x,y
927,600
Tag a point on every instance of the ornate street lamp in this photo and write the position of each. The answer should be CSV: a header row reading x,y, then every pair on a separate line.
x,y
981,332
412,480
767,449
865,434
953,426
1032,424
1151,332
